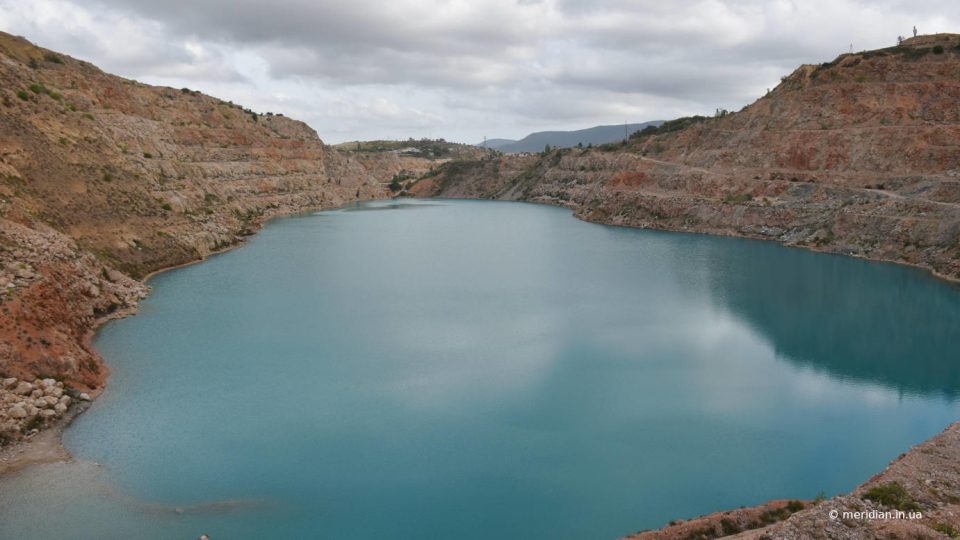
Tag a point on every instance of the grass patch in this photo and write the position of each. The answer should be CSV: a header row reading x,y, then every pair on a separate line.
x,y
738,198
892,495
946,529
38,89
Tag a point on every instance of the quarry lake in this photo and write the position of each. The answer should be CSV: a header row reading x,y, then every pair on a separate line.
x,y
466,369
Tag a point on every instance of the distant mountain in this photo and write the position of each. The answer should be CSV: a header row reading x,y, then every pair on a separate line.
x,y
495,143
535,142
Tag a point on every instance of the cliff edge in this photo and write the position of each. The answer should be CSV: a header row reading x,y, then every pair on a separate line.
x,y
104,180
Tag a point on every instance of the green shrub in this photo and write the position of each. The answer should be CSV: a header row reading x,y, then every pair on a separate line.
x,y
52,57
147,155
37,88
892,495
938,49
729,527
107,177
167,207
22,94
946,529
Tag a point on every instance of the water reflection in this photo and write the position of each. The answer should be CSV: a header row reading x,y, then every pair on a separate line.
x,y
895,326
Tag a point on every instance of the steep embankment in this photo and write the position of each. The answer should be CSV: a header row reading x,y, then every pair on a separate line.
x,y
103,180
859,156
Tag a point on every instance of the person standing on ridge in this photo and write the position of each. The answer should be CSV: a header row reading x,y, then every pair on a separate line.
x,y
914,30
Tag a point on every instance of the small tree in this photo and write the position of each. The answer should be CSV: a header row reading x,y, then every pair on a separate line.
x,y
546,149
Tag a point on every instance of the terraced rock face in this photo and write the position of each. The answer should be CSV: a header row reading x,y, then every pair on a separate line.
x,y
859,156
103,180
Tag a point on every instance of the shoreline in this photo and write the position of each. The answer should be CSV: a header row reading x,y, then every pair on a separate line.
x,y
808,247
47,445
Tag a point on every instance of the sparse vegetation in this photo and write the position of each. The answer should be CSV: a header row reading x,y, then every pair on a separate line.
x,y
938,49
738,197
38,89
947,529
147,155
52,57
22,94
730,527
892,495
671,126
107,177
396,184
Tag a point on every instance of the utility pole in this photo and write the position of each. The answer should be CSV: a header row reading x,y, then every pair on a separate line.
x,y
624,131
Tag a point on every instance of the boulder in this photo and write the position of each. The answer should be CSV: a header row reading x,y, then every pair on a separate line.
x,y
53,391
23,389
10,382
17,411
85,396
60,408
51,400
65,401
48,413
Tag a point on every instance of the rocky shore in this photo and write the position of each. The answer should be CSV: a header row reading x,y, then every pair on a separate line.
x,y
104,180
26,407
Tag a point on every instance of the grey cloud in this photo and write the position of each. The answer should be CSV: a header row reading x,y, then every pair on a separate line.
x,y
467,68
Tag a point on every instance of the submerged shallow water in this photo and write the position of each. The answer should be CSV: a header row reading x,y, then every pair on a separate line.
x,y
493,370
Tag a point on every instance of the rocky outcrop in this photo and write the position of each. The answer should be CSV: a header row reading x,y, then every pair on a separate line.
x,y
104,180
26,407
859,156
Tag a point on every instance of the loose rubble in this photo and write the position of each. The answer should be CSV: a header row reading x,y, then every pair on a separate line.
x,y
27,407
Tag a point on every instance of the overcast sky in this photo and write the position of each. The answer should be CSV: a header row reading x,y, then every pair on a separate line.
x,y
364,69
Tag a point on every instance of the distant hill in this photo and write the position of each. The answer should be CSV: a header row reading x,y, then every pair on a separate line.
x,y
535,142
495,143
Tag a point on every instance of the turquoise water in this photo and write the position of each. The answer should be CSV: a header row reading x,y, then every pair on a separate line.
x,y
489,370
